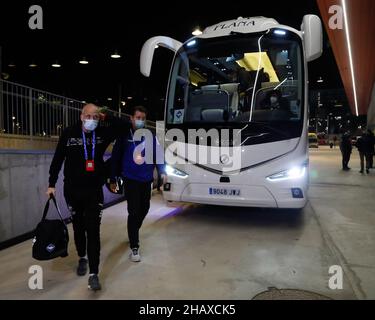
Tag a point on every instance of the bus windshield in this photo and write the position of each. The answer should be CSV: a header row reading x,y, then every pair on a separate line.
x,y
255,80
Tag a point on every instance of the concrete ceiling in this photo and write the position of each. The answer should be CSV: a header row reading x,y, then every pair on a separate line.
x,y
361,26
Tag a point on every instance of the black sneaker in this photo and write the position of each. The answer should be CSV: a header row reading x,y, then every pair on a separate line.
x,y
82,267
94,283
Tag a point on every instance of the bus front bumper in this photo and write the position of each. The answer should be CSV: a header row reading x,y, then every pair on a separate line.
x,y
292,196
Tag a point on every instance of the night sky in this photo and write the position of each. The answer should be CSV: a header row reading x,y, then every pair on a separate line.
x,y
76,29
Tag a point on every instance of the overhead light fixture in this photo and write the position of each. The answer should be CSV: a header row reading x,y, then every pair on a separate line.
x,y
115,55
130,98
197,32
11,65
320,80
56,64
350,56
83,61
109,99
280,32
192,43
33,65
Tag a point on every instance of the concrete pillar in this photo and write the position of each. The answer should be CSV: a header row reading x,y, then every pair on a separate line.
x,y
371,111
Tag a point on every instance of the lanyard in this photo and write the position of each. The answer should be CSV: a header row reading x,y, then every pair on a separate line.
x,y
131,132
93,145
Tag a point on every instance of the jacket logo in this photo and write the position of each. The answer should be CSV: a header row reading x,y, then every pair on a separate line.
x,y
78,141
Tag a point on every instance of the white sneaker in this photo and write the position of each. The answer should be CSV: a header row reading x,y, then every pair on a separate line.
x,y
134,255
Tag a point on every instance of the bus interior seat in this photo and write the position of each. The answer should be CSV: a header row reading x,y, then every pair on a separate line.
x,y
267,115
200,100
213,115
231,89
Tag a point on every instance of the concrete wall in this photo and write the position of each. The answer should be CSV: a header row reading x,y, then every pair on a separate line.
x,y
23,183
10,141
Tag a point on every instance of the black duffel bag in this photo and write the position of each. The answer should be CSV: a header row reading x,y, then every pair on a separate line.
x,y
51,237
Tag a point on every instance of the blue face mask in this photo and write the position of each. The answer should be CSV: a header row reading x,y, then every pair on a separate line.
x,y
90,124
139,124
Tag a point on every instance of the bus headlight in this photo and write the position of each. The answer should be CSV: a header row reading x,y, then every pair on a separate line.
x,y
175,172
291,174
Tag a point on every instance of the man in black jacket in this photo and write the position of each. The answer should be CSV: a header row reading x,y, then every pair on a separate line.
x,y
365,146
346,150
82,147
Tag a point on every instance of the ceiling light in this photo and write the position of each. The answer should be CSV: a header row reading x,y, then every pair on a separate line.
x,y
83,61
350,56
56,64
115,55
192,43
280,32
197,32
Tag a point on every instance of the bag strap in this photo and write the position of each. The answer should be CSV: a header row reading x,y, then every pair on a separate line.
x,y
46,208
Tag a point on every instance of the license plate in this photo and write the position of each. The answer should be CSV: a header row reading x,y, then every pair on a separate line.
x,y
224,192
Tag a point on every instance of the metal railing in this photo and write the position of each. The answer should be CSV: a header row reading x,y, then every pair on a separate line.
x,y
31,112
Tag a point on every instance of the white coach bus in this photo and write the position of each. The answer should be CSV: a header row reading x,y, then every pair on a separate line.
x,y
250,76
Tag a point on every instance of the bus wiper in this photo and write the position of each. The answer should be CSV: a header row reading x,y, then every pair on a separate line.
x,y
272,129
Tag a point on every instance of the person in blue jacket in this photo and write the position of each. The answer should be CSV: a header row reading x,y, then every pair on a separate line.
x,y
131,162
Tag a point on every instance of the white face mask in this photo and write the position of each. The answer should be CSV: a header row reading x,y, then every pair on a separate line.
x,y
90,124
273,100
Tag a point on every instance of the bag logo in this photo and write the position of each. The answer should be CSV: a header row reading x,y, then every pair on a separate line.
x,y
50,247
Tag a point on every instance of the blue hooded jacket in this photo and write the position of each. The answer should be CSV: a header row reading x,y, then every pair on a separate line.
x,y
123,164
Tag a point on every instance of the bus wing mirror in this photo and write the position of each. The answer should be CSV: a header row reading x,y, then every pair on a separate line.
x,y
147,53
313,37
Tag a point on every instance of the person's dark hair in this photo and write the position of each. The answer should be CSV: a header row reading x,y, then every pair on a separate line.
x,y
140,109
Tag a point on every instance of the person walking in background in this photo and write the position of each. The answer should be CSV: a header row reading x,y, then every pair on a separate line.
x,y
346,150
371,148
365,146
334,142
